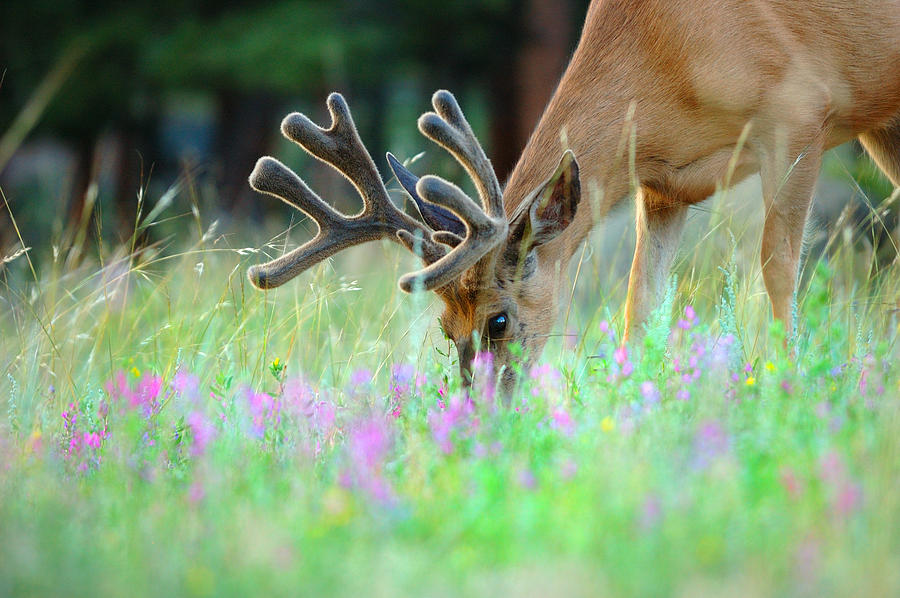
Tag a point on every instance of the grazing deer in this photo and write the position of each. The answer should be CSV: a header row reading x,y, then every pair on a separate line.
x,y
669,97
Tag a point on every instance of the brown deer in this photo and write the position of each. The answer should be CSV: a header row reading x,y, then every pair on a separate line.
x,y
671,98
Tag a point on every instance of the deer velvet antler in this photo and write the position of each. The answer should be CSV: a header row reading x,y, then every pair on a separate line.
x,y
340,147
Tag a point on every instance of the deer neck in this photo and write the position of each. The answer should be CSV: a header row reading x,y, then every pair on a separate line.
x,y
596,129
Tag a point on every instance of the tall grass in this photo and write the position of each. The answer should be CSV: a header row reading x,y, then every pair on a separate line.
x,y
169,430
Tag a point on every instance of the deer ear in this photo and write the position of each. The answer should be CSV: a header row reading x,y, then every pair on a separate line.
x,y
438,218
551,209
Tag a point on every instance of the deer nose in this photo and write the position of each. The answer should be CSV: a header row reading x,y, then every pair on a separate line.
x,y
466,353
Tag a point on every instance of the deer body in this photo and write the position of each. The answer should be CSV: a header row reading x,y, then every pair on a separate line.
x,y
671,98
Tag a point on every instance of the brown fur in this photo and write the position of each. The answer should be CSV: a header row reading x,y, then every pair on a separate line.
x,y
803,75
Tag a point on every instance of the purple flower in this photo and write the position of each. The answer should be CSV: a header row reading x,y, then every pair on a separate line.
x,y
455,418
92,439
360,378
298,397
186,384
562,421
547,381
401,375
265,410
369,443
710,442
650,393
202,432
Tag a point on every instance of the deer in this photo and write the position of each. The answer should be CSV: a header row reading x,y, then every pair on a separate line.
x,y
662,100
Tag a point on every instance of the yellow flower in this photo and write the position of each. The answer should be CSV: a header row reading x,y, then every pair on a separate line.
x,y
135,372
276,362
751,381
770,366
607,424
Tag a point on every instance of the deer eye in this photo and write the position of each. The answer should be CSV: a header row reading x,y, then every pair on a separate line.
x,y
497,326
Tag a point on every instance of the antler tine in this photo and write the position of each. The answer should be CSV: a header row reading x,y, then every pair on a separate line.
x,y
340,147
483,233
449,128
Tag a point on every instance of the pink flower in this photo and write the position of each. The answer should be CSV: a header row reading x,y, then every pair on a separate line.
x,y
562,421
369,444
92,439
202,432
454,419
650,393
186,384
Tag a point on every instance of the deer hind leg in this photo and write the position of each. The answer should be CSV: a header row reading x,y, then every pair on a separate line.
x,y
788,180
884,147
659,227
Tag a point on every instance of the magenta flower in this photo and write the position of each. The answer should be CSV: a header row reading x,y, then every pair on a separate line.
x,y
562,421
456,418
202,432
92,439
265,411
369,443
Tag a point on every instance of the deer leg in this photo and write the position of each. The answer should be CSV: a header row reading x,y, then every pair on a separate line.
x,y
659,227
788,180
884,147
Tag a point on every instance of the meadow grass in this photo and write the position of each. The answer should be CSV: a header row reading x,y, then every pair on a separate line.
x,y
168,430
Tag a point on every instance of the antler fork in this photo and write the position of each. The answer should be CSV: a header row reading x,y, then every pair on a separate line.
x,y
340,147
486,226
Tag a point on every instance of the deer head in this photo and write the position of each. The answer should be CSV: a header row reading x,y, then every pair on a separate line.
x,y
485,266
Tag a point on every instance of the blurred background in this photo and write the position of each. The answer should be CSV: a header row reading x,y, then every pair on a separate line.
x,y
107,104
101,101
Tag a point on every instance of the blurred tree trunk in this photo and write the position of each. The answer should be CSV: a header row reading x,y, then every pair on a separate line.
x,y
521,90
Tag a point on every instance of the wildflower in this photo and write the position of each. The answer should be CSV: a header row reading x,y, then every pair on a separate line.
x,y
770,366
186,385
360,377
135,372
368,444
606,329
750,381
202,432
548,381
710,442
689,320
650,393
607,424
264,410
444,423
562,421
92,439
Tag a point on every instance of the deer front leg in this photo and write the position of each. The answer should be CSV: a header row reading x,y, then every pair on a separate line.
x,y
659,226
788,181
